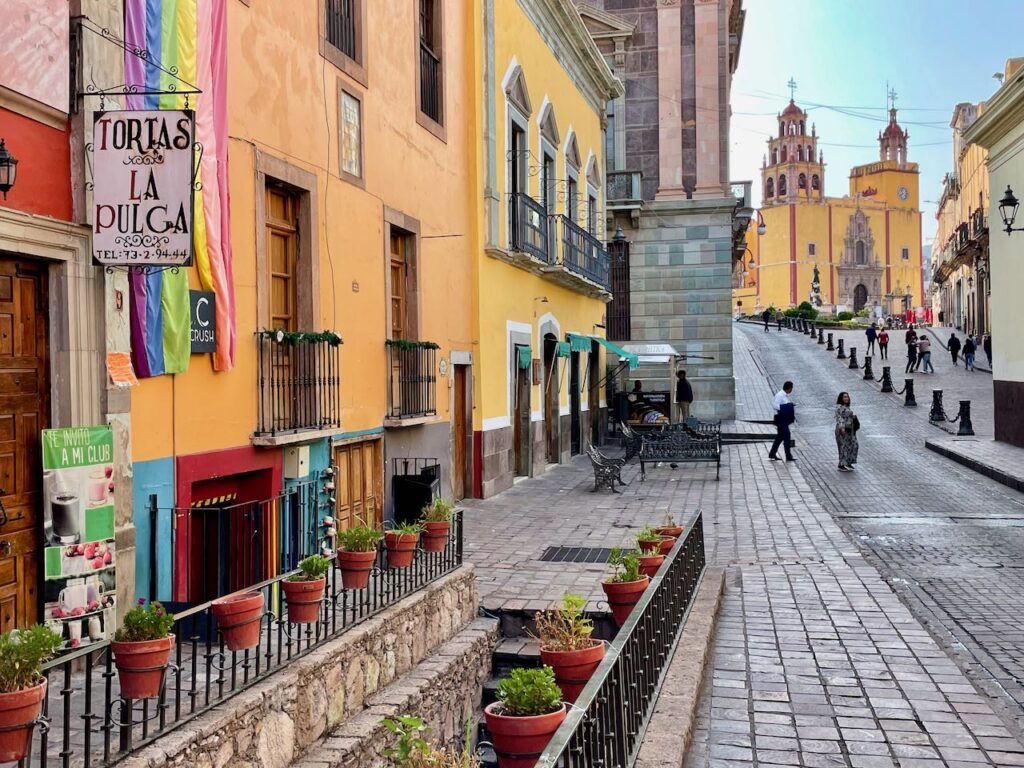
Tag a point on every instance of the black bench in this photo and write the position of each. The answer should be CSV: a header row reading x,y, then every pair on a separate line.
x,y
679,447
633,441
607,470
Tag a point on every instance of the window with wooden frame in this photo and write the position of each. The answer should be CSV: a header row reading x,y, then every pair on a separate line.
x,y
572,183
402,283
282,252
350,135
343,36
430,67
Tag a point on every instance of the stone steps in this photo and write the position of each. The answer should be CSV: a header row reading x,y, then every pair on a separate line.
x,y
441,690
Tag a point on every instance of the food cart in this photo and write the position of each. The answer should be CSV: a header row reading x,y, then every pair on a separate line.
x,y
647,408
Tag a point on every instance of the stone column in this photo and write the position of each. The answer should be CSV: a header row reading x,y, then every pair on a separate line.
x,y
709,165
670,101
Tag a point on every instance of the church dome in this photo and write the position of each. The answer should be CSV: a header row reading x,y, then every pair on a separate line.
x,y
792,110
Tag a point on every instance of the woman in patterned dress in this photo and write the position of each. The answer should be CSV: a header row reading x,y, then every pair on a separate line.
x,y
846,432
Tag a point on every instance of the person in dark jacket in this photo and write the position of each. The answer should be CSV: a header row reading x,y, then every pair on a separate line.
x,y
911,355
954,347
766,316
785,415
684,396
987,346
970,348
872,334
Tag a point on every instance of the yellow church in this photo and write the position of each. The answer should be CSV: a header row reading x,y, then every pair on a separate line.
x,y
864,247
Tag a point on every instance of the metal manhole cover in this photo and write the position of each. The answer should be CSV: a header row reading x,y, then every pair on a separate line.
x,y
576,555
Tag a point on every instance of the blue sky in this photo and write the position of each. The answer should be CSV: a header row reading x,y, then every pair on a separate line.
x,y
934,53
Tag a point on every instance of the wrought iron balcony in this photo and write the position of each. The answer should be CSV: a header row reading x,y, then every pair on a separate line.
x,y
412,379
583,254
430,83
960,238
529,227
299,382
979,223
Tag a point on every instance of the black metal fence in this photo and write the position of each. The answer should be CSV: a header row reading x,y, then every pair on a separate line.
x,y
412,381
430,83
530,227
299,385
85,721
340,25
583,253
607,723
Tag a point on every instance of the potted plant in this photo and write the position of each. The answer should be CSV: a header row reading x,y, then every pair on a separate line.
x,y
303,591
670,527
666,544
22,686
626,584
357,551
567,647
648,540
401,543
142,648
437,523
239,619
526,715
650,563
412,750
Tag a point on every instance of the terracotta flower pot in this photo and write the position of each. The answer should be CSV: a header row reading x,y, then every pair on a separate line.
x,y
435,538
667,542
675,531
303,598
649,564
141,666
520,741
18,712
649,546
623,595
573,668
355,568
239,618
401,548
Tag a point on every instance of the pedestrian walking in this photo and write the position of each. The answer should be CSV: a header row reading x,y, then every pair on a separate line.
x,y
766,316
970,348
910,335
953,345
785,415
872,334
778,319
924,354
847,425
684,396
911,355
883,344
987,346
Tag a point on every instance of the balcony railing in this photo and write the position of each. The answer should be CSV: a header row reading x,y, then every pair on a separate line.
x,y
979,223
430,83
961,238
86,722
624,186
340,25
299,382
529,224
412,382
583,254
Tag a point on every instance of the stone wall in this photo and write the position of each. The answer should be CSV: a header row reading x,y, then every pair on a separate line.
x,y
276,721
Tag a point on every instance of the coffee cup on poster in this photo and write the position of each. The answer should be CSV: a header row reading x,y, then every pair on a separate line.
x,y
97,487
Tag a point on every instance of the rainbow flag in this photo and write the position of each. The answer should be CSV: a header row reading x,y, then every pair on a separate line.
x,y
190,35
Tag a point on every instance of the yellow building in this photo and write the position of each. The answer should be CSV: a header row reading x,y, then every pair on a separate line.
x,y
866,246
541,271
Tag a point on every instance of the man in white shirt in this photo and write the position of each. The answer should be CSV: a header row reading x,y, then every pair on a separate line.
x,y
784,416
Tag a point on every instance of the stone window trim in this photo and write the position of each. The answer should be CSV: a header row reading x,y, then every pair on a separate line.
x,y
812,249
437,128
515,118
396,222
273,170
905,253
353,93
355,68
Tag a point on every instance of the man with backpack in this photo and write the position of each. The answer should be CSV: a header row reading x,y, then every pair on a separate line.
x,y
785,415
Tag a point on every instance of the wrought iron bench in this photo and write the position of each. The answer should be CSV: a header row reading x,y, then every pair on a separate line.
x,y
678,447
607,470
633,442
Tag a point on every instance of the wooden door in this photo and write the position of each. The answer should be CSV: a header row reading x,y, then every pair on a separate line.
x,y
24,412
521,422
359,485
282,255
574,404
459,420
552,410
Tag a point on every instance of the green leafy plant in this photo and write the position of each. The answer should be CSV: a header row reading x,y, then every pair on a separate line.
x,y
408,344
311,568
864,312
438,511
359,538
807,310
648,533
529,692
844,316
406,529
625,566
566,628
281,336
412,750
145,622
22,654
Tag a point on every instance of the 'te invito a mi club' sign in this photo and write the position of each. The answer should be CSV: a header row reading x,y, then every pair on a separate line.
x,y
143,187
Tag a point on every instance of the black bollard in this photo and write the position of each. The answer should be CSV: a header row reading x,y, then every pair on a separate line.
x,y
937,412
853,358
831,344
868,375
886,379
821,336
966,427
910,400
841,355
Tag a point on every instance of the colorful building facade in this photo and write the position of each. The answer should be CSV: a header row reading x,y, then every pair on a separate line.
x,y
865,246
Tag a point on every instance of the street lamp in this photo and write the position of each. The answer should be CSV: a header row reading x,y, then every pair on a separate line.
x,y
8,169
761,228
1008,210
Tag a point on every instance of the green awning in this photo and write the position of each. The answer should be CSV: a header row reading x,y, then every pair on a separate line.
x,y
579,343
563,349
629,357
524,357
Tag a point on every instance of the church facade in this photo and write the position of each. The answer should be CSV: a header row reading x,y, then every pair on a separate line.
x,y
865,247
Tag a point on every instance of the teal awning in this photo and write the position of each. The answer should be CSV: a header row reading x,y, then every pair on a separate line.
x,y
563,349
579,343
629,357
524,357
